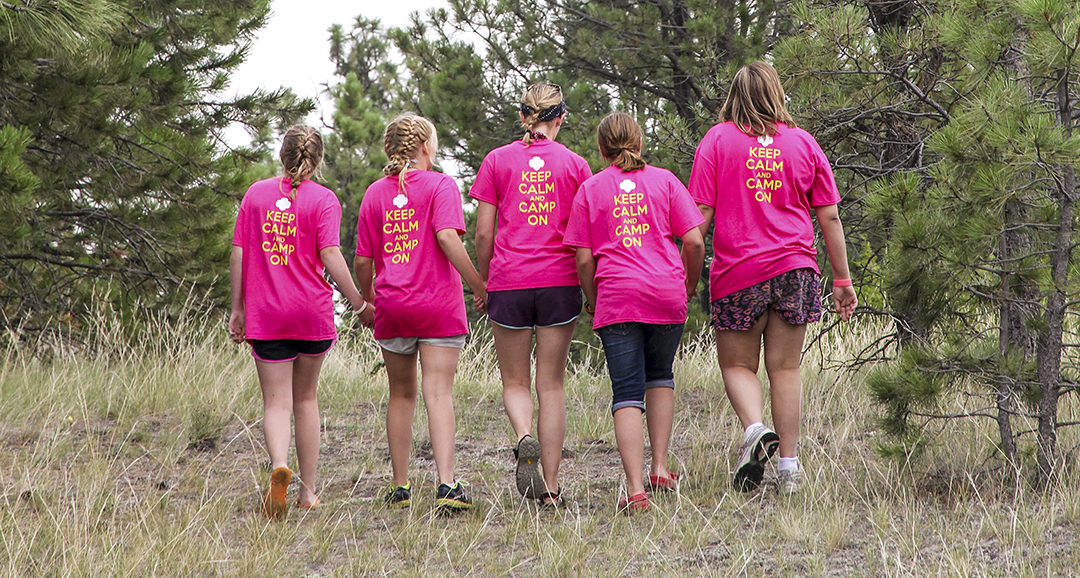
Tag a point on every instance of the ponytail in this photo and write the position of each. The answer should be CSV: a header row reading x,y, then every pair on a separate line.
x,y
619,137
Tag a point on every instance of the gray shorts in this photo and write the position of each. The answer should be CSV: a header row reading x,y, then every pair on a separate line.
x,y
409,345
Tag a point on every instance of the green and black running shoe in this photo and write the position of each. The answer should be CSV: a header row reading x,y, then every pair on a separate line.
x,y
399,496
452,498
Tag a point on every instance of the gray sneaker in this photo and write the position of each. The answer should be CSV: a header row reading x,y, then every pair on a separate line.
x,y
789,481
756,451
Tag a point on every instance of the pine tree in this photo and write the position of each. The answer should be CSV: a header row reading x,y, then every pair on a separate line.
x,y
954,122
116,182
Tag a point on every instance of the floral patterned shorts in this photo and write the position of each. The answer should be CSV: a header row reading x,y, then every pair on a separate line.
x,y
795,296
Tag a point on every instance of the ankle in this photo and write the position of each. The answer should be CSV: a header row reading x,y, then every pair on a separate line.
x,y
788,464
750,429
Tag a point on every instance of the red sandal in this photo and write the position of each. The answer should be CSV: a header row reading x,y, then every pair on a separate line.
x,y
634,504
670,482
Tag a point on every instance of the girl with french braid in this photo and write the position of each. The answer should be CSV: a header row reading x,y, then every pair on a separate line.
x,y
524,191
286,235
410,262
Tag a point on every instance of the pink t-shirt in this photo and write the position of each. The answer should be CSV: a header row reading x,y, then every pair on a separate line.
x,y
762,189
286,295
417,291
630,221
533,188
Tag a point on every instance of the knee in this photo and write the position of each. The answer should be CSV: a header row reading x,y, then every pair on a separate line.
x,y
403,392
783,369
737,365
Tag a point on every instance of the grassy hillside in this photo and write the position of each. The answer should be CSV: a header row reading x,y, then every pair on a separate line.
x,y
147,460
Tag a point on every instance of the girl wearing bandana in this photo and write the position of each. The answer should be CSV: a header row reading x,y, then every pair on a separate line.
x,y
525,190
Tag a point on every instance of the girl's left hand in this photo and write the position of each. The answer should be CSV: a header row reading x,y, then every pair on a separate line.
x,y
844,301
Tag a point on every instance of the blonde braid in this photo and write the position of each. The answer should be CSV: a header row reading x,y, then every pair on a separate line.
x,y
301,153
400,142
537,98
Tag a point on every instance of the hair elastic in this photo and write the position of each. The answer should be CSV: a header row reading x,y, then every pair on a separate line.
x,y
841,282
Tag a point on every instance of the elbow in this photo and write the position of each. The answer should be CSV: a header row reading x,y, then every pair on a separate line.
x,y
484,238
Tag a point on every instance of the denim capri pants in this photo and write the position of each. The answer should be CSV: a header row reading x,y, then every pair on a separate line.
x,y
639,356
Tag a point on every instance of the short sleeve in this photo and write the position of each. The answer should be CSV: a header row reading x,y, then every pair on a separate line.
x,y
363,239
240,231
329,228
584,173
483,188
823,191
683,212
446,210
578,229
703,174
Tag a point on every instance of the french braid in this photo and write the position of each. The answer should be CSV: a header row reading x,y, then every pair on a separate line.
x,y
301,153
402,141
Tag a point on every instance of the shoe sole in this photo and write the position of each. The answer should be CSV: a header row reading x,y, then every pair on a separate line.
x,y
274,505
749,476
454,505
399,504
529,481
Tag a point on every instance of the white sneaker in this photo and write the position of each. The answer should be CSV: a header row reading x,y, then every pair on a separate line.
x,y
789,481
756,451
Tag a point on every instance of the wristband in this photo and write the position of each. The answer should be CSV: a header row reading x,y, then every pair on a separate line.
x,y
841,282
588,309
362,308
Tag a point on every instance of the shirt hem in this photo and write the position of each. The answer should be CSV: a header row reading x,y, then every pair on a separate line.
x,y
713,294
647,321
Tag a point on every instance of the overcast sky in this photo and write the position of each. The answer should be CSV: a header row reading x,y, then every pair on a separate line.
x,y
293,49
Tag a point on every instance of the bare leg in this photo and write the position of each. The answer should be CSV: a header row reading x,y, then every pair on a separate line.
x,y
783,352
739,355
438,365
275,379
659,417
401,372
552,349
513,347
630,438
305,382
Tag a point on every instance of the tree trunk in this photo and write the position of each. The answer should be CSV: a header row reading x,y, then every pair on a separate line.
x,y
1050,347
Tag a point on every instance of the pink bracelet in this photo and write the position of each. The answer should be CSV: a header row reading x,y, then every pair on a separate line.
x,y
841,282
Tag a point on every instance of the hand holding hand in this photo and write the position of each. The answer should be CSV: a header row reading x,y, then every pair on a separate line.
x,y
365,312
480,297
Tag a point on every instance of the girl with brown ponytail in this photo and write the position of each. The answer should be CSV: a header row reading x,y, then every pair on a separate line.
x,y
286,235
623,226
524,191
409,233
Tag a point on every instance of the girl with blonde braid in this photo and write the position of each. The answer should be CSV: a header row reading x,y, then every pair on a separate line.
x,y
286,235
525,190
410,262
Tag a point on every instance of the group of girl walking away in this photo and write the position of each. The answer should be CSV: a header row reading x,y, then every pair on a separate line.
x,y
551,239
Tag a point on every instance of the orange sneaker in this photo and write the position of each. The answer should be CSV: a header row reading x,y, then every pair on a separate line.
x,y
274,504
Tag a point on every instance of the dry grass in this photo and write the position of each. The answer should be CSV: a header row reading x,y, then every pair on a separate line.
x,y
148,461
